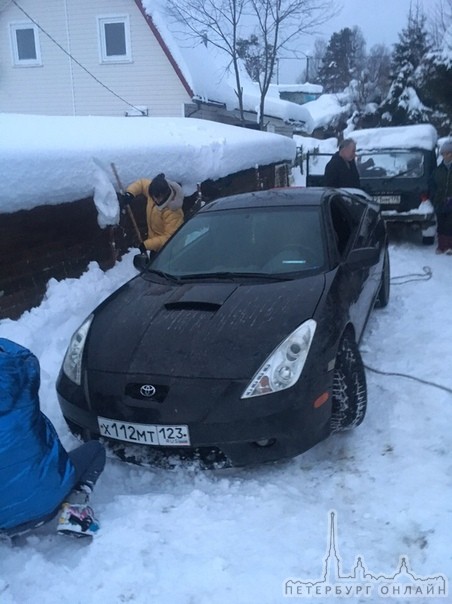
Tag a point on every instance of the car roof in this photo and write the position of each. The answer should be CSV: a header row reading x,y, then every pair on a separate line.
x,y
289,196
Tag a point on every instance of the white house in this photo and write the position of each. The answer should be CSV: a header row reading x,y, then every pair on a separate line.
x,y
115,58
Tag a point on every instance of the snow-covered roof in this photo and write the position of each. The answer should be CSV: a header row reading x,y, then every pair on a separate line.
x,y
276,107
50,160
423,136
209,75
306,87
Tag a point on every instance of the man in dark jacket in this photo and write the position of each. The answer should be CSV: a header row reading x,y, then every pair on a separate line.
x,y
37,475
442,199
341,170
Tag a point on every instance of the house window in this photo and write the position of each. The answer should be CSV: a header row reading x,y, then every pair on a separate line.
x,y
114,38
25,44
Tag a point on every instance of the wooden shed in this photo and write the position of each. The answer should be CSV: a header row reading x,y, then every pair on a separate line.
x,y
59,241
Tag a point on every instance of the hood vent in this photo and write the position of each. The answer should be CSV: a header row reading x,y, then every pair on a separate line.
x,y
193,305
204,297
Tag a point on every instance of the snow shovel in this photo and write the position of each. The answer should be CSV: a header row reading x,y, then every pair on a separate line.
x,y
141,260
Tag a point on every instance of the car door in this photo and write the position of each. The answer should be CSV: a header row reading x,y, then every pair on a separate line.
x,y
355,225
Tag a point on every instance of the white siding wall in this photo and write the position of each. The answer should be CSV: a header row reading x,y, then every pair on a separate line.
x,y
61,87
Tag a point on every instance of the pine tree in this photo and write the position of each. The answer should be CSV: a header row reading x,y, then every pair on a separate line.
x,y
343,59
402,104
435,78
413,43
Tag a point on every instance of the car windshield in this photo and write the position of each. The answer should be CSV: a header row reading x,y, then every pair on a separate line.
x,y
253,242
392,164
377,164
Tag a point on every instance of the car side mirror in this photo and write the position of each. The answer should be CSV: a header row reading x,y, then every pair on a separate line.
x,y
141,261
363,257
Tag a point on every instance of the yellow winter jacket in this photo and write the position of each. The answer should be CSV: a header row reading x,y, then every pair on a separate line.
x,y
163,221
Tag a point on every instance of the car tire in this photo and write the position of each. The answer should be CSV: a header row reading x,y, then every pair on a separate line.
x,y
349,387
385,284
428,240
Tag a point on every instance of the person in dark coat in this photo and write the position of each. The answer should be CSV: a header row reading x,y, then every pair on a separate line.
x,y
341,170
38,477
442,199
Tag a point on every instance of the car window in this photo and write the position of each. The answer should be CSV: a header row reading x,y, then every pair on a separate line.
x,y
346,215
259,240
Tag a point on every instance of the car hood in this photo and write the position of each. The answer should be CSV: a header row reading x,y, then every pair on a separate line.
x,y
210,330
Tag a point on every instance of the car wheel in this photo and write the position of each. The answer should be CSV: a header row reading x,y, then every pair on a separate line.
x,y
385,284
349,387
428,240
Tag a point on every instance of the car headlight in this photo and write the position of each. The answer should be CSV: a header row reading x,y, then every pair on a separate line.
x,y
72,364
284,366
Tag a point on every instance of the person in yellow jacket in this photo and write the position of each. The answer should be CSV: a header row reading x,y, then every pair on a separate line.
x,y
164,213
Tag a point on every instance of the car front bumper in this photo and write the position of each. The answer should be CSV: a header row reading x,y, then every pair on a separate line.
x,y
257,430
424,215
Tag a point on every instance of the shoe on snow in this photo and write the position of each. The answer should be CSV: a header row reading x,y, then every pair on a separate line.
x,y
12,535
78,520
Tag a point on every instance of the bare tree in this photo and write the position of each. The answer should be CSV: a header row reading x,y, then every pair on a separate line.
x,y
216,22
280,24
276,25
315,61
440,20
379,69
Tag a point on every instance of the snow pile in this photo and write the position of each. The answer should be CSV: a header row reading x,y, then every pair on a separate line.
x,y
186,536
422,136
49,160
326,109
307,143
105,197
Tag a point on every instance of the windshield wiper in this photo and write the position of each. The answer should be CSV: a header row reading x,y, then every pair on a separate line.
x,y
400,174
237,275
167,276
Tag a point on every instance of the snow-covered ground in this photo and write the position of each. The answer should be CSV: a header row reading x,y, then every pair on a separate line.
x,y
189,536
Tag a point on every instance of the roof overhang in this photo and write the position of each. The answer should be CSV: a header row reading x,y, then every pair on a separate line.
x,y
165,48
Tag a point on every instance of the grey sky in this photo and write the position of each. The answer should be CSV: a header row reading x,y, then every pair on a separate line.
x,y
379,20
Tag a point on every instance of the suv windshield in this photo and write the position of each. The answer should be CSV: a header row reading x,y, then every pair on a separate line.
x,y
394,164
377,164
255,242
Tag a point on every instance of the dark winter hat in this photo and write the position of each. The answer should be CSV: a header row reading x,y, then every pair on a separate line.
x,y
159,189
446,147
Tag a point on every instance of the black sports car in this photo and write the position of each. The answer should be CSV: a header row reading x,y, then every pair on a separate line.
x,y
239,341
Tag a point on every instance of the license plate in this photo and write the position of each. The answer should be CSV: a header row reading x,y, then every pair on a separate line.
x,y
392,200
144,434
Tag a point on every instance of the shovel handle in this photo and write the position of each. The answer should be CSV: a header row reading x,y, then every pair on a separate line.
x,y
118,180
128,208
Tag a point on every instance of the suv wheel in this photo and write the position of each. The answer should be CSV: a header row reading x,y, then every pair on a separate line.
x,y
349,387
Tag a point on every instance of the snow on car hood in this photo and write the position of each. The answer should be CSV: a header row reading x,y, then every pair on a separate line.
x,y
209,330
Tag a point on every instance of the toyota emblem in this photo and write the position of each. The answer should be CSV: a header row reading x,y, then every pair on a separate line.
x,y
147,390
